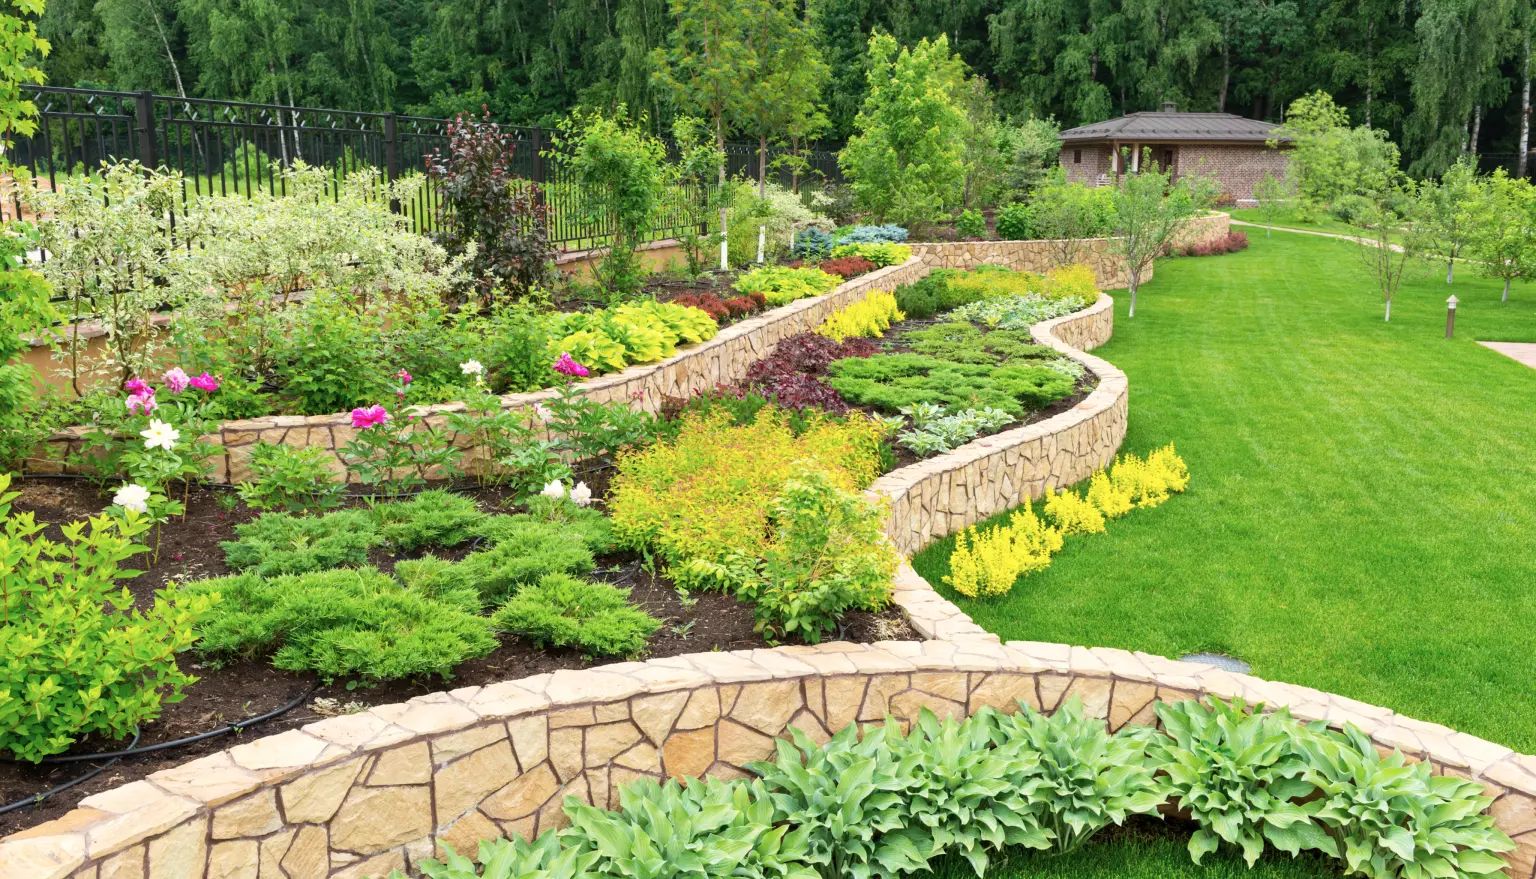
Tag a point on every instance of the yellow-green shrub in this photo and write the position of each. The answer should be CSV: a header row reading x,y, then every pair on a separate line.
x,y
611,339
1074,280
881,255
869,317
991,282
987,562
1073,513
708,494
780,285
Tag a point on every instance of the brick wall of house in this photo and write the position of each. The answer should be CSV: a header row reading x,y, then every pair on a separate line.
x,y
1239,167
1094,160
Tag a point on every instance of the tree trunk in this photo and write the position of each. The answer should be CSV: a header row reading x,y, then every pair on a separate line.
x,y
165,43
1477,127
1389,308
1450,270
1131,281
1525,106
762,188
725,261
1226,78
1506,291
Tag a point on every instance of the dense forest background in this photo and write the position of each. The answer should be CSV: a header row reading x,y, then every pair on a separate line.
x,y
1441,76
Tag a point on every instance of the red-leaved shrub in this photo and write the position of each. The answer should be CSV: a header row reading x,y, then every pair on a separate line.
x,y
847,266
1234,242
720,309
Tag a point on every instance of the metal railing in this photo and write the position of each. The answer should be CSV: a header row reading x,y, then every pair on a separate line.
x,y
227,148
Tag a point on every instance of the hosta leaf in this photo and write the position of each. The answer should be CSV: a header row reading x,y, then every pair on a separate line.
x,y
1202,843
1399,841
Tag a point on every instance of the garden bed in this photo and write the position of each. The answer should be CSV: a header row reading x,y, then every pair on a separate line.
x,y
239,690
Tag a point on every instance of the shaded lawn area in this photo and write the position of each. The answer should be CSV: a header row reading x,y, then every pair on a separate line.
x,y
1125,855
1322,222
1362,512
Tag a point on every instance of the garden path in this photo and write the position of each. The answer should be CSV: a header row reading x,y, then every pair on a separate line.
x,y
1521,352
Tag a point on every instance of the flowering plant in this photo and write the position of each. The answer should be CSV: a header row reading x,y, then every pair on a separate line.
x,y
507,445
565,365
396,450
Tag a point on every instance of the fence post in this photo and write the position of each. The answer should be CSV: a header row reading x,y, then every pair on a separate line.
x,y
538,154
144,121
391,156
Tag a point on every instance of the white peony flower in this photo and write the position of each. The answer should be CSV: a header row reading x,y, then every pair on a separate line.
x,y
581,495
472,367
160,435
132,497
554,489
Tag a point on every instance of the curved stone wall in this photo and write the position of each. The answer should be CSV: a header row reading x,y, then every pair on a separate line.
x,y
952,491
361,795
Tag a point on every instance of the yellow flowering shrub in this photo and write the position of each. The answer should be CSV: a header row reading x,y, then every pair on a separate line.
x,y
1074,280
990,282
869,317
988,562
709,493
1073,513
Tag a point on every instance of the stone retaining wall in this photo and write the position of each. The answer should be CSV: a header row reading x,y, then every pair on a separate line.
x,y
724,358
360,795
952,491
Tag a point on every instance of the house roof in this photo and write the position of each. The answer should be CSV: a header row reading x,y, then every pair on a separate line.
x,y
1167,125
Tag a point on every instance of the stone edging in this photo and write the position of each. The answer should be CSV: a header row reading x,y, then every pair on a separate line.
x,y
943,494
359,795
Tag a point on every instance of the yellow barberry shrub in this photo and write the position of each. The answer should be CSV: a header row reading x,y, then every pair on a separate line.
x,y
1073,514
988,562
870,317
1074,280
1133,476
1170,467
1108,498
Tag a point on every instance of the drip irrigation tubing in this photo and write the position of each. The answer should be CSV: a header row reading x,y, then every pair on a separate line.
x,y
37,799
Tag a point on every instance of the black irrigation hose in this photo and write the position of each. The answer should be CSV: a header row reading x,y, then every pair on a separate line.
x,y
37,799
131,751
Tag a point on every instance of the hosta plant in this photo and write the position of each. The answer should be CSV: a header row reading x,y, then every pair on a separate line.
x,y
1240,775
847,796
1390,818
511,858
710,829
966,793
1083,779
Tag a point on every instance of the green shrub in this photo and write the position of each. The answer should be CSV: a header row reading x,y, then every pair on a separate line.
x,y
890,382
1084,778
326,360
781,286
279,543
931,295
1239,775
595,529
78,660
1013,223
358,624
292,479
432,518
971,224
511,858
1389,818
524,552
439,580
563,611
964,342
880,254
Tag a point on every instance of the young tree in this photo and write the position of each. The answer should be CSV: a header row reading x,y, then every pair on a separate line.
x,y
1273,194
1067,214
1330,159
1388,242
1504,233
1150,213
697,159
1032,149
1447,212
19,46
620,169
709,69
907,161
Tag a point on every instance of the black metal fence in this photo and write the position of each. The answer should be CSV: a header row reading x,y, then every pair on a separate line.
x,y
227,148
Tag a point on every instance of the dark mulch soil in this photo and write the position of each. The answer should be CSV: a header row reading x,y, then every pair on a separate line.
x,y
190,550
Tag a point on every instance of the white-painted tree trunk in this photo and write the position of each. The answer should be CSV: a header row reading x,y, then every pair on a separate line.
x,y
725,253
1450,270
1506,291
762,241
1389,310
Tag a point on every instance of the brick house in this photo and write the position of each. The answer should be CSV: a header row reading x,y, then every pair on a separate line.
x,y
1234,150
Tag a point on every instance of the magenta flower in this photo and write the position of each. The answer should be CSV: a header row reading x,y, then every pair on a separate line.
x,y
404,377
566,366
205,382
373,416
177,380
143,400
136,386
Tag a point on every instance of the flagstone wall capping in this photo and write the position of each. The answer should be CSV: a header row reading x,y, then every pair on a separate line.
x,y
363,794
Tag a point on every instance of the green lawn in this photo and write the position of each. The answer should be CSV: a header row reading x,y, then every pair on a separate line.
x,y
1363,503
1321,223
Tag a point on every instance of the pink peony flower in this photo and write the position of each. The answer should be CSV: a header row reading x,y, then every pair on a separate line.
x,y
566,366
404,377
144,401
177,380
136,386
373,416
205,382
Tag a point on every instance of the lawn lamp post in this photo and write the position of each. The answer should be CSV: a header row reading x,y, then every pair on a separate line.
x,y
1450,316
